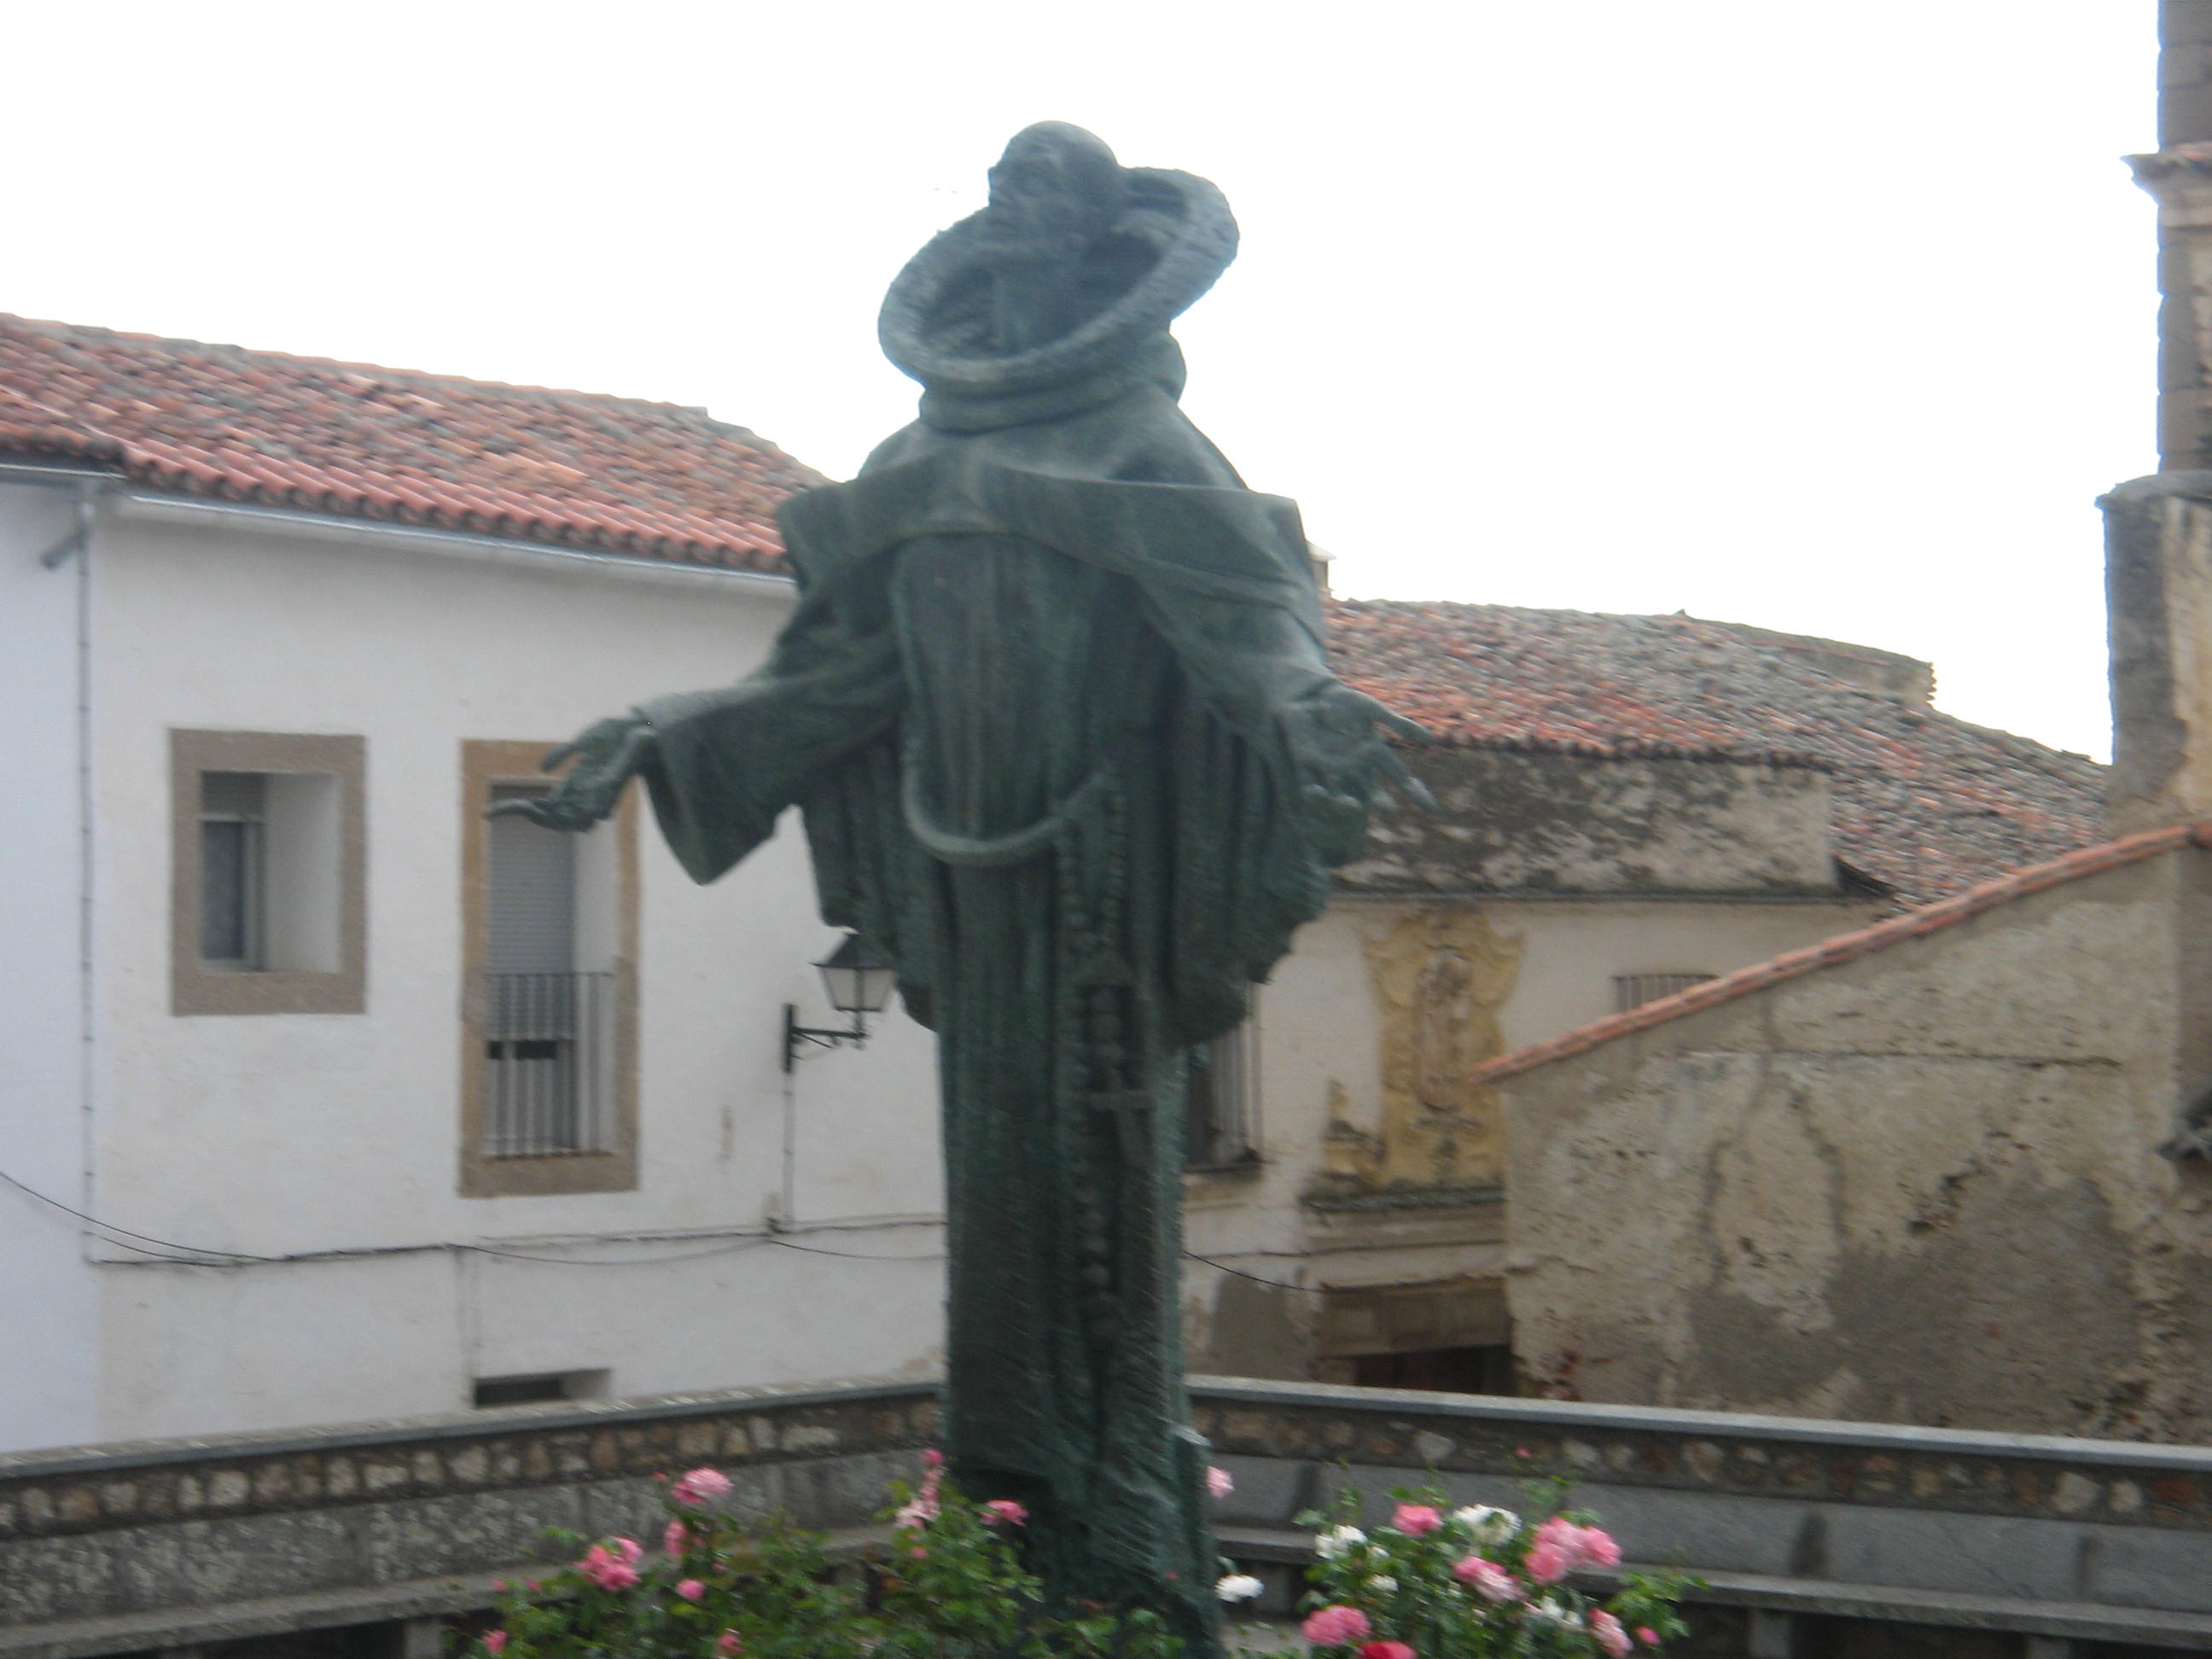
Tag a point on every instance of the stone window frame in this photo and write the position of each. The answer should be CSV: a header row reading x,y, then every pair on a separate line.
x,y
196,987
485,764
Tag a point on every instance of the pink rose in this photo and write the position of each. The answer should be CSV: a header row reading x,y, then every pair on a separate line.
x,y
1546,1562
674,1539
1385,1650
1560,1531
691,1589
611,1566
494,1641
1648,1635
1486,1579
606,1568
1598,1549
919,1513
1583,1547
1609,1634
1415,1519
1335,1625
1218,1482
699,1486
933,1457
727,1644
1004,1512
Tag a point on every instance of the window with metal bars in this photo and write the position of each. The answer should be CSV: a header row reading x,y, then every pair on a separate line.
x,y
1634,990
548,1054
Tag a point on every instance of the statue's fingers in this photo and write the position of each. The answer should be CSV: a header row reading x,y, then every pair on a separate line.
x,y
1397,726
1390,719
1401,777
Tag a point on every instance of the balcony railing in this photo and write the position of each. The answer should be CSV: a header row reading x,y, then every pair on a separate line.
x,y
549,1071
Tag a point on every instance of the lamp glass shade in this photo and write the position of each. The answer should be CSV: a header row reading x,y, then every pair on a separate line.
x,y
856,981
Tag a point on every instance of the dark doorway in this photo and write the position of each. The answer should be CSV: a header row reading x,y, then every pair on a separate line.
x,y
1483,1370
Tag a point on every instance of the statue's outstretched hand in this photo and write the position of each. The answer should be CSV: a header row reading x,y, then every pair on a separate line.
x,y
1350,769
606,755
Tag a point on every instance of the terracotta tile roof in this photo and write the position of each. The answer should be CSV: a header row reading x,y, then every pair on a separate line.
x,y
1927,804
1849,947
616,474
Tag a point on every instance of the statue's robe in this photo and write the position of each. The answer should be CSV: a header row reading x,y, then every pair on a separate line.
x,y
1053,701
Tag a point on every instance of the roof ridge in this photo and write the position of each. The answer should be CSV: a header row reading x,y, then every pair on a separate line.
x,y
630,476
62,332
1849,946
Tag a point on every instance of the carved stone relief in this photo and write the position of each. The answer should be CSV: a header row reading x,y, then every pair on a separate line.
x,y
1439,975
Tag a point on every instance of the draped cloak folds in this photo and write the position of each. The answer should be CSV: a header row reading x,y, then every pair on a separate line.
x,y
1054,704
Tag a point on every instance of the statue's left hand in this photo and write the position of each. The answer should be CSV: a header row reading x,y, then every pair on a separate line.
x,y
1350,769
606,755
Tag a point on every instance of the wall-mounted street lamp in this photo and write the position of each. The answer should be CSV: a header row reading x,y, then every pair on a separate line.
x,y
858,983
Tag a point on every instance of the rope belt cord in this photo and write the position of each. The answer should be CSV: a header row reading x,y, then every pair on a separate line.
x,y
990,852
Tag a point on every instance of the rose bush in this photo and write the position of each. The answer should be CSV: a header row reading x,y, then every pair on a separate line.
x,y
952,1587
1435,1582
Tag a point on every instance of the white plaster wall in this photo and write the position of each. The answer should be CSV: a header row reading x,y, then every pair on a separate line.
x,y
48,1299
283,1133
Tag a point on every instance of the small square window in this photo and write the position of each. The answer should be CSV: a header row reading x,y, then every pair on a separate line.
x,y
268,907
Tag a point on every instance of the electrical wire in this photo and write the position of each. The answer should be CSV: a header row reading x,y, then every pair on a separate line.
x,y
196,1256
109,1226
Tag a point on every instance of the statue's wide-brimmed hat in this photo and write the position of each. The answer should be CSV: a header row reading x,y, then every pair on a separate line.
x,y
1178,233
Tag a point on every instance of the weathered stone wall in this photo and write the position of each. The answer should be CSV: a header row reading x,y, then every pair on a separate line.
x,y
1514,822
1921,1186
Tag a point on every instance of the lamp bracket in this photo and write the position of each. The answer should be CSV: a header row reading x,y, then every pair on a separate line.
x,y
797,1036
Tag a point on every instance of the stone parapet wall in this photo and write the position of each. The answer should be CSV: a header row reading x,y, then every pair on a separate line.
x,y
121,1549
1871,1465
128,1531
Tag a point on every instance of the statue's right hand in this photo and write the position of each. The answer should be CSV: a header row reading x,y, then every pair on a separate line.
x,y
601,759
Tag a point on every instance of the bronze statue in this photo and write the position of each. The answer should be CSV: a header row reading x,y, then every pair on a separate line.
x,y
1054,703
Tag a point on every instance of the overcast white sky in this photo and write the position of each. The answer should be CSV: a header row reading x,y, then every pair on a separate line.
x,y
1830,319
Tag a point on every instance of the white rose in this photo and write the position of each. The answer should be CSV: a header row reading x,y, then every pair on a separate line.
x,y
1237,1587
1337,1540
1489,1526
1382,1583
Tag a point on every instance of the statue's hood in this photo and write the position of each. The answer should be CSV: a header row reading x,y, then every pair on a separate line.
x,y
935,324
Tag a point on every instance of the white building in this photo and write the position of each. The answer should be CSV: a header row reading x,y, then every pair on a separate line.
x,y
275,990
325,1099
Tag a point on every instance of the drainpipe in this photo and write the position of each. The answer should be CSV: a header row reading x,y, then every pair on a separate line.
x,y
78,544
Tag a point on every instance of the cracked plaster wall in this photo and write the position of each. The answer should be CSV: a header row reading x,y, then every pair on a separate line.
x,y
1919,1188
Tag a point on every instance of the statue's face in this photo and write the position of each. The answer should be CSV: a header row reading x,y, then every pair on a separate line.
x,y
1054,190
